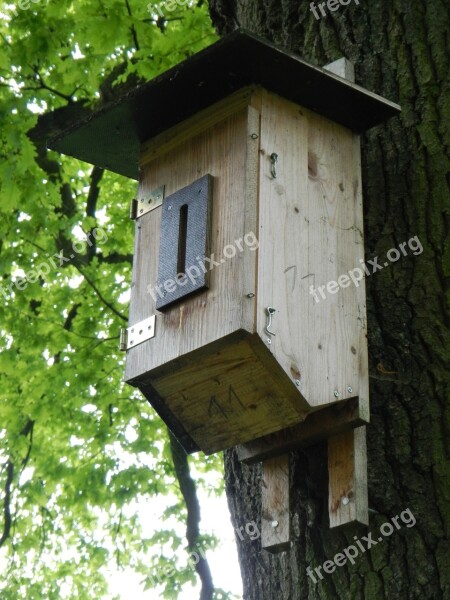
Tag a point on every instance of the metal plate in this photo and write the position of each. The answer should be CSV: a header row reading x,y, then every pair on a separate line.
x,y
148,202
174,285
141,332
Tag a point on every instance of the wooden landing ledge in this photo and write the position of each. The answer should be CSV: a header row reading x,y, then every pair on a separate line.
x,y
319,425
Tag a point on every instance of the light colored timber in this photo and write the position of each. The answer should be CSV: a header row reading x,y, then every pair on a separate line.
x,y
224,392
201,319
228,392
250,210
347,473
310,230
319,425
275,514
195,125
347,452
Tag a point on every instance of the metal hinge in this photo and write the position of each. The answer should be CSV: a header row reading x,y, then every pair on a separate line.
x,y
146,202
141,332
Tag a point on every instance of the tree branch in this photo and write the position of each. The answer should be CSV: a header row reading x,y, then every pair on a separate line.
x,y
94,191
71,316
187,487
27,430
114,258
7,503
91,207
99,294
133,30
44,86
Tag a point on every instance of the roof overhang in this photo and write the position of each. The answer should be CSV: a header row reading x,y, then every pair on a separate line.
x,y
111,137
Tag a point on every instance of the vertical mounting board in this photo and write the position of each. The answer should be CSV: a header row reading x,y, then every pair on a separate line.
x,y
347,452
347,478
275,513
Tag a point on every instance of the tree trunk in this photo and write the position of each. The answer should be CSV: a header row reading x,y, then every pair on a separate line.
x,y
400,51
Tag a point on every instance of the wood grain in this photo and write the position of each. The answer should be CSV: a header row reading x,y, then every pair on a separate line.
x,y
217,312
309,223
199,123
317,426
310,229
347,453
226,393
347,472
275,514
219,381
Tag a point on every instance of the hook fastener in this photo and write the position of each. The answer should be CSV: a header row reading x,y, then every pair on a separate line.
x,y
273,168
270,311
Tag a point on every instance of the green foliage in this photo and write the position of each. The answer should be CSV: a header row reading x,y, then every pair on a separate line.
x,y
83,447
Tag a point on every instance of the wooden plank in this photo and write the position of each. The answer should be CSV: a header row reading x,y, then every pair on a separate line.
x,y
275,513
347,453
310,234
198,123
225,393
345,69
250,215
335,247
284,133
317,426
222,152
220,389
347,472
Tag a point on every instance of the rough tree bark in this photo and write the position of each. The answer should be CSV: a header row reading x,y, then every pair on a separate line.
x,y
401,50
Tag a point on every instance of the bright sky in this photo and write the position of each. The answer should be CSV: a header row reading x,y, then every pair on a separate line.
x,y
223,561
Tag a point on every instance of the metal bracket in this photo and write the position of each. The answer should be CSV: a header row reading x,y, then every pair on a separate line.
x,y
147,202
135,335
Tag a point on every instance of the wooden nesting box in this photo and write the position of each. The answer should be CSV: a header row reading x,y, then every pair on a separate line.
x,y
248,211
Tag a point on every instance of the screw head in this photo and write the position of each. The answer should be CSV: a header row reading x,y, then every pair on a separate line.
x,y
349,390
269,341
254,136
297,382
336,394
251,295
345,500
275,524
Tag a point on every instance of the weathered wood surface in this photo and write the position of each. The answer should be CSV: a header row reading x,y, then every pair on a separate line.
x,y
275,515
228,392
222,388
317,426
222,152
347,477
308,221
310,232
347,452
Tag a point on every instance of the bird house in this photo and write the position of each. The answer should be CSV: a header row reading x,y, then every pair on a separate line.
x,y
247,320
245,315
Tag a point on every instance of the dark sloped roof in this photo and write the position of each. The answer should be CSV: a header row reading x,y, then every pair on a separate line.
x,y
110,137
